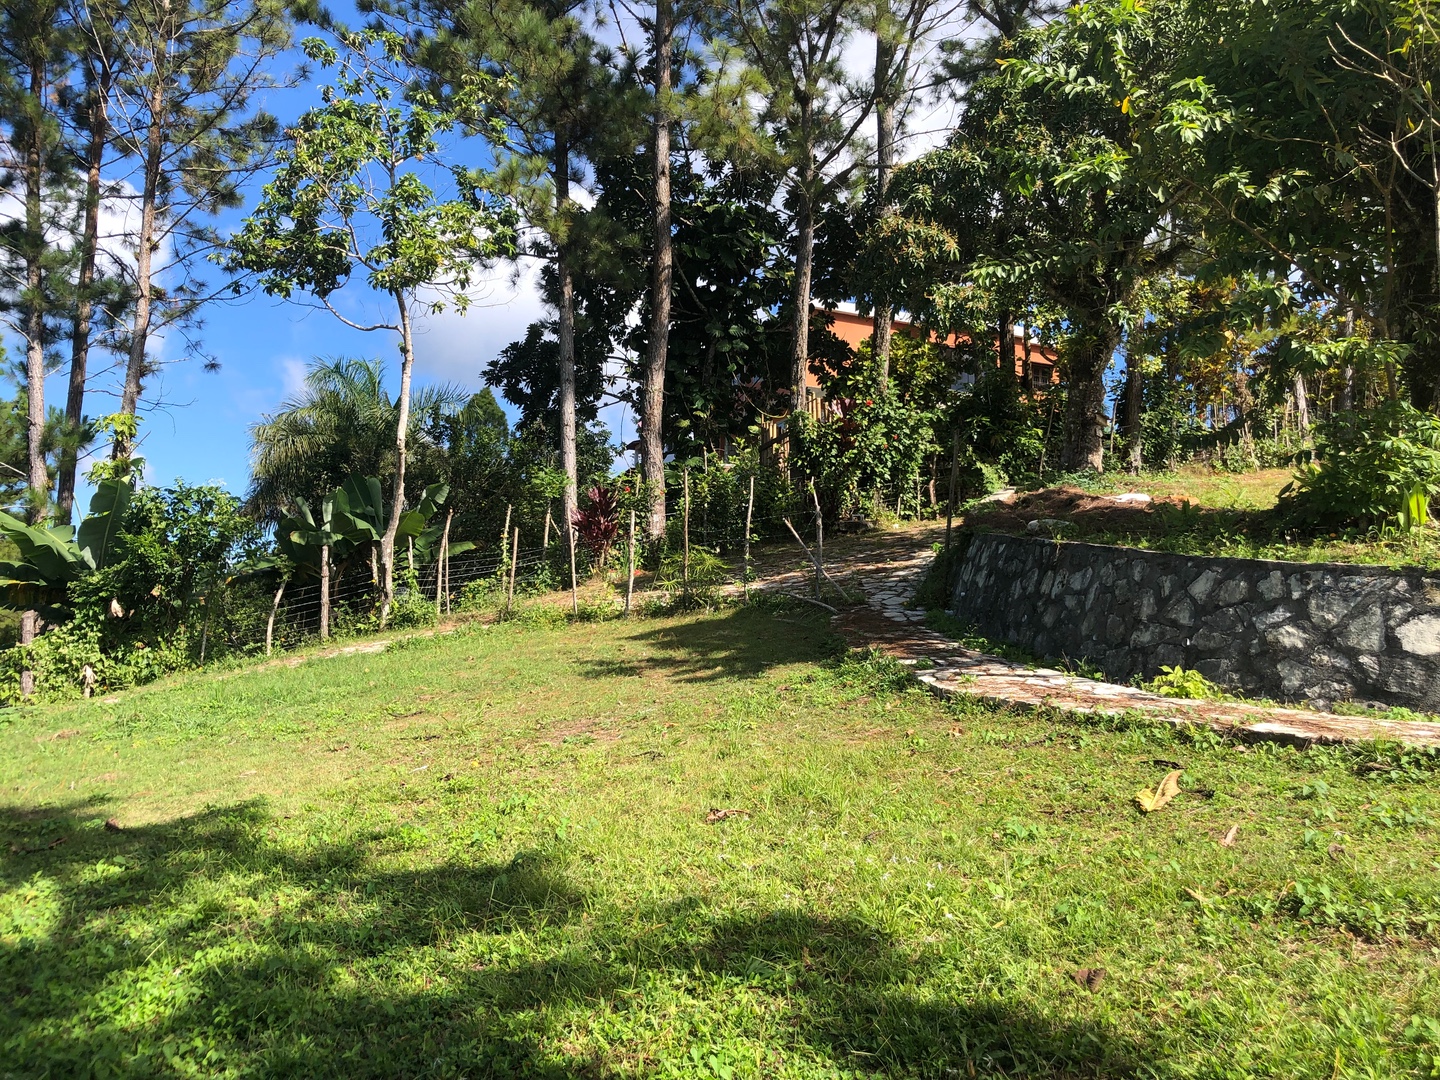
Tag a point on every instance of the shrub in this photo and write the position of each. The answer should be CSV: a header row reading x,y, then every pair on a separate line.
x,y
1375,467
597,523
701,588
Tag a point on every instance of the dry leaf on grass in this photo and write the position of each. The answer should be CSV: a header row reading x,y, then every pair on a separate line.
x,y
1228,840
1089,978
1150,801
716,814
113,826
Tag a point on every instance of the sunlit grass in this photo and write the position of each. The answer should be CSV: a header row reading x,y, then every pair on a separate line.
x,y
486,854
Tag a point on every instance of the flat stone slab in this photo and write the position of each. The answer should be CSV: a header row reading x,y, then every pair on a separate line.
x,y
882,567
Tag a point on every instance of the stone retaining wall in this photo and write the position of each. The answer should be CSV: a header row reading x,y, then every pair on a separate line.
x,y
1289,631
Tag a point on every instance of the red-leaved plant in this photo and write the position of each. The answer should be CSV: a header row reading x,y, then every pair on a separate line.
x,y
597,524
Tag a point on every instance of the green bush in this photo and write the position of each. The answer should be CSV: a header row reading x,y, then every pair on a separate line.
x,y
1378,467
1179,682
701,588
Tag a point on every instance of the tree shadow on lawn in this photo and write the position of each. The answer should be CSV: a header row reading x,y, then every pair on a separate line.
x,y
262,961
740,643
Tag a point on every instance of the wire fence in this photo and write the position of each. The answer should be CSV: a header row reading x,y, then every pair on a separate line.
x,y
714,509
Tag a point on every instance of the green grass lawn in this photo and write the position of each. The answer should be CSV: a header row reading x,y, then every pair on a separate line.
x,y
487,854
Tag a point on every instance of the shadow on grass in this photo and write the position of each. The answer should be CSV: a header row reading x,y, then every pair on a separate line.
x,y
739,643
205,947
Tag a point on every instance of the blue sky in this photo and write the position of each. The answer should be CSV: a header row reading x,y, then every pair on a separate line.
x,y
201,431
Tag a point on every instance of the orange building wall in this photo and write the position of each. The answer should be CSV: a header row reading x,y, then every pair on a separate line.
x,y
854,329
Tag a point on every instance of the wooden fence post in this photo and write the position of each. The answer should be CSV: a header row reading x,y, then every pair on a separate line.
x,y
545,543
749,513
270,624
819,541
324,592
514,558
954,480
630,586
574,588
685,556
444,568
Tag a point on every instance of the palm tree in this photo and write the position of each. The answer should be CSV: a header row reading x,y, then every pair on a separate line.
x,y
342,424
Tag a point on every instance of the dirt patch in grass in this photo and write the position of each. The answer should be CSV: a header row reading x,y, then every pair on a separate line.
x,y
1090,513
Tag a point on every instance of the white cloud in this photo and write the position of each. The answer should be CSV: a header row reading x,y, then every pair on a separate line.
x,y
451,347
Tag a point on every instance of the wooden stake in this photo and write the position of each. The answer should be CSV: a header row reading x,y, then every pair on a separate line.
x,y
749,512
811,556
630,587
324,592
820,539
514,558
954,481
270,625
574,588
445,558
685,557
545,544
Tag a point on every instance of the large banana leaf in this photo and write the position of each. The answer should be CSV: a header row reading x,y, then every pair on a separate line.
x,y
99,531
50,552
360,508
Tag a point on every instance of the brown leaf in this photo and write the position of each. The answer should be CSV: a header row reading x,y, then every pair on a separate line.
x,y
113,826
1167,789
1089,978
716,814
1228,840
1336,850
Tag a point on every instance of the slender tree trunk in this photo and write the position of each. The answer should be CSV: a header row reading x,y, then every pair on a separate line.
x,y
652,401
566,335
1084,444
800,296
84,302
29,624
140,331
1345,399
397,506
885,96
38,477
1134,403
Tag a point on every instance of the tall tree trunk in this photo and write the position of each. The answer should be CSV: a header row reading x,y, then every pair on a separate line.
x,y
652,401
566,335
397,506
886,93
84,302
140,331
1084,445
1134,402
38,477
800,296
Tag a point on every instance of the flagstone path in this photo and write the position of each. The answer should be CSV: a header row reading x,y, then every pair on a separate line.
x,y
880,571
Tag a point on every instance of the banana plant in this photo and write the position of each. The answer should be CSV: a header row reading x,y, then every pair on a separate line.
x,y
363,511
51,557
313,542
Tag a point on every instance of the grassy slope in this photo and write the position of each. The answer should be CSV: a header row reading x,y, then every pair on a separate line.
x,y
486,855
1230,518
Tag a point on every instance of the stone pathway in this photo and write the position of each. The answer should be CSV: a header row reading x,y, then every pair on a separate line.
x,y
883,570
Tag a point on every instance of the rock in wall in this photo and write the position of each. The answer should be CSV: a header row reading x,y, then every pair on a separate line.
x,y
1290,631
